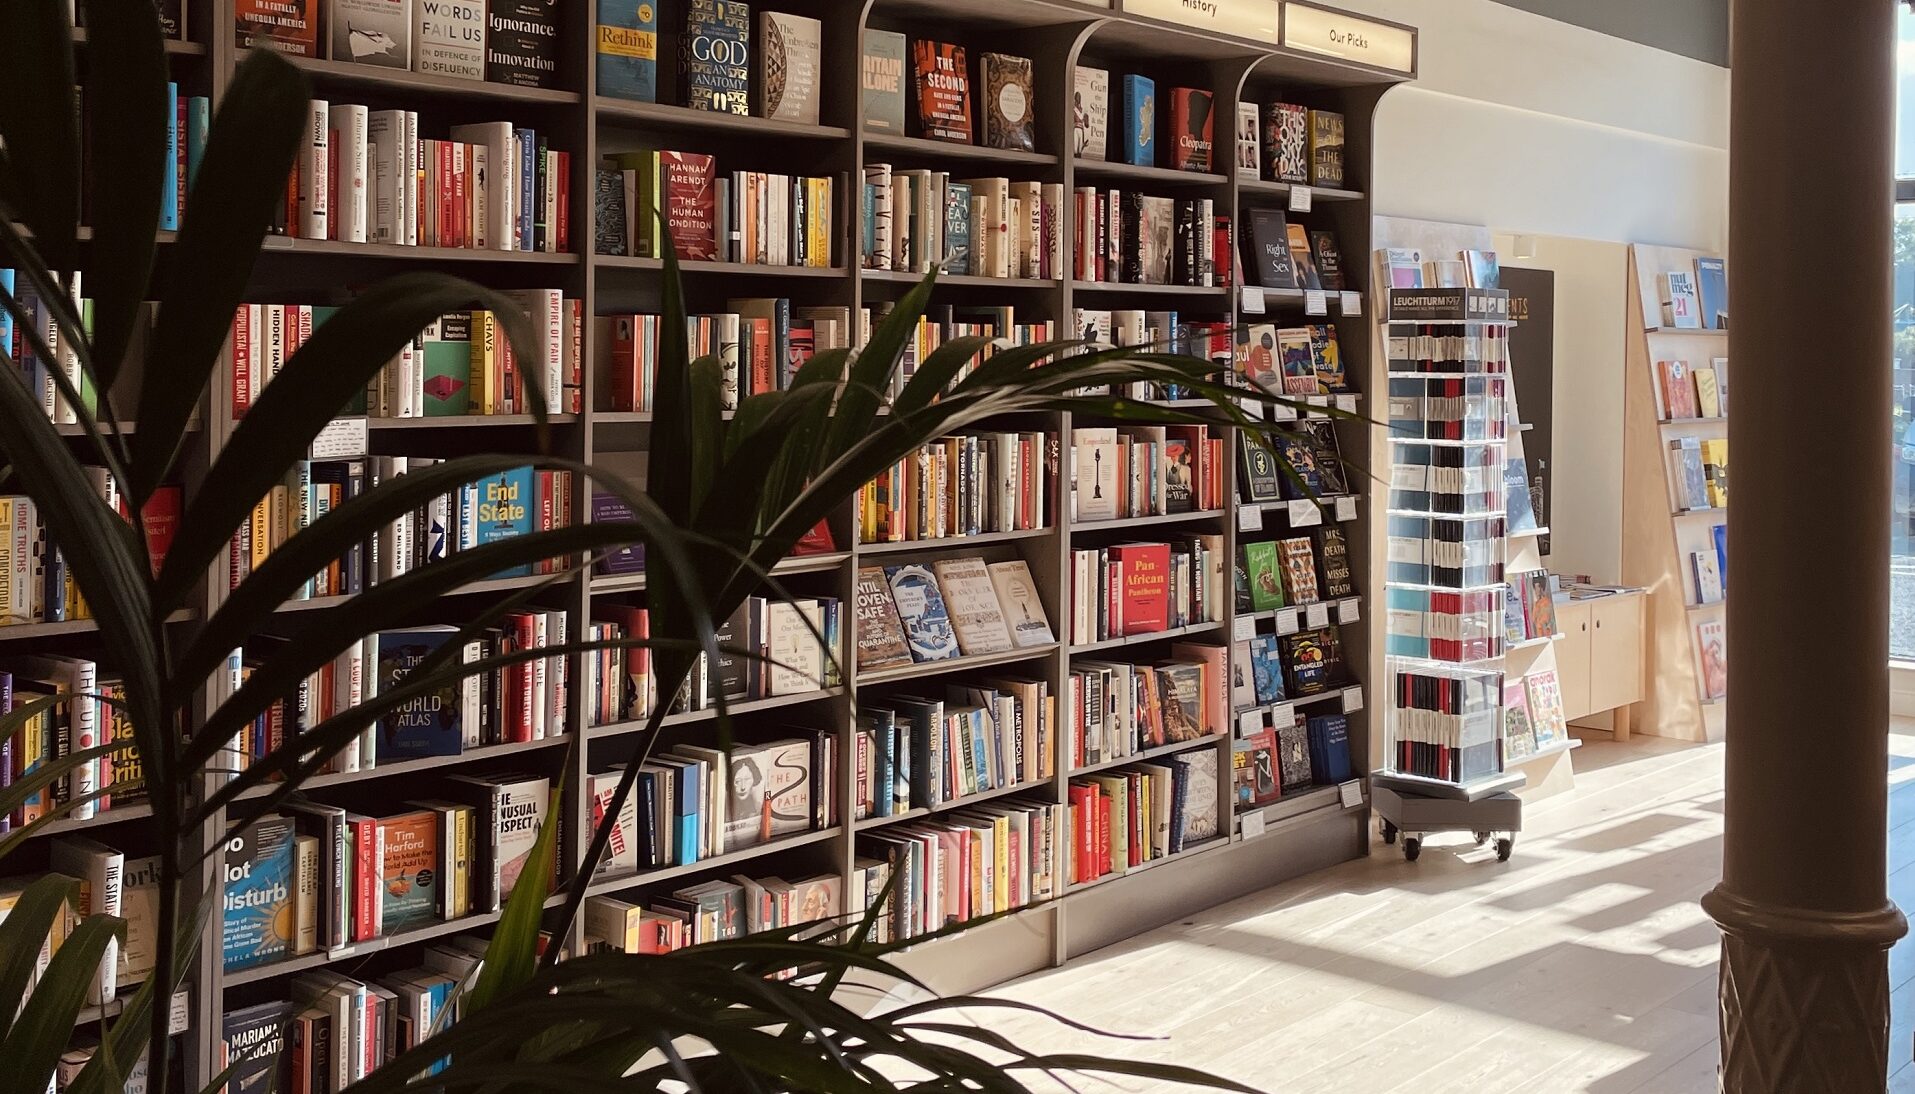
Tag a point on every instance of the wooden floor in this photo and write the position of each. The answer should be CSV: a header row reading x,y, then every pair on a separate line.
x,y
1584,964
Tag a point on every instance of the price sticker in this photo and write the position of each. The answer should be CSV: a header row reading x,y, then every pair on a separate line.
x,y
1286,619
342,438
1346,508
1304,513
1251,825
177,1014
1249,722
1315,302
1250,406
1243,628
1351,793
1346,403
1317,615
1251,300
1250,519
1283,412
1352,700
1352,303
1283,714
1349,611
1299,198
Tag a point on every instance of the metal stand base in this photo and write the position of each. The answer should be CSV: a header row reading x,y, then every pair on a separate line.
x,y
1498,814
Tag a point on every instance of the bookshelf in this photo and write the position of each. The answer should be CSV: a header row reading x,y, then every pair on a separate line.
x,y
1659,534
1304,830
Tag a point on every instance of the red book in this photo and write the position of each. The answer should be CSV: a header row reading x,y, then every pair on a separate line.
x,y
242,360
333,221
818,541
507,397
1105,863
1083,800
1143,579
290,225
179,159
366,872
160,521
565,201
525,637
625,353
448,227
690,212
1192,123
575,362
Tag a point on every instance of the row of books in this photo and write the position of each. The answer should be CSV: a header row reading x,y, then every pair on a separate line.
x,y
1290,755
526,700
1448,348
1683,392
755,217
722,64
1135,239
1141,588
690,803
82,717
499,507
1533,715
953,607
36,585
967,485
1294,361
318,877
1709,568
1157,332
1411,268
1529,607
36,324
1445,724
503,41
915,220
1281,254
760,343
462,363
710,911
1118,709
1144,471
1699,472
917,752
940,92
105,882
368,176
943,323
991,858
1283,667
1449,480
1311,467
1448,408
1696,299
1123,819
1298,570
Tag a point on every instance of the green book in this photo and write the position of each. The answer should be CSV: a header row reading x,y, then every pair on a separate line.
x,y
1266,583
643,193
448,365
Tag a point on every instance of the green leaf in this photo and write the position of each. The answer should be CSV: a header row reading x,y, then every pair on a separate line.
x,y
707,428
47,772
130,1035
39,126
127,127
37,1038
511,958
325,373
935,373
23,935
33,337
240,188
671,416
871,373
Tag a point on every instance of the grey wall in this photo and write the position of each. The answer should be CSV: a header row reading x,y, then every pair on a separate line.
x,y
1692,28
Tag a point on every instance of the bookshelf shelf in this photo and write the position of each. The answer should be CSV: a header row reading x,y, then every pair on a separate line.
x,y
1568,744
426,933
957,664
1210,627
1211,844
1149,754
1530,533
701,267
476,588
909,277
797,564
396,80
1704,511
1293,807
175,47
1146,522
332,248
468,421
663,116
1719,419
964,802
710,714
1264,187
1707,605
948,543
27,632
624,882
1144,176
879,145
430,763
1193,291
73,429
119,814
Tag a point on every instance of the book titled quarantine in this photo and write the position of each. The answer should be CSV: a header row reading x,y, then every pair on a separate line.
x,y
450,39
257,915
789,48
927,625
715,56
424,725
1193,122
371,32
522,42
627,50
879,634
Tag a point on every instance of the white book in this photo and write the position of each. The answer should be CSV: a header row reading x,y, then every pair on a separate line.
x,y
470,696
314,158
306,894
451,39
100,869
349,126
371,32
972,604
409,205
140,907
477,176
555,675
1022,608
385,133
494,187
796,659
546,309
536,702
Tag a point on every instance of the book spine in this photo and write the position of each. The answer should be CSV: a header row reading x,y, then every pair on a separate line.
x,y
314,173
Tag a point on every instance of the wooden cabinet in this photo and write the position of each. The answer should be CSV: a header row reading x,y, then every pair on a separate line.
x,y
1599,656
1573,619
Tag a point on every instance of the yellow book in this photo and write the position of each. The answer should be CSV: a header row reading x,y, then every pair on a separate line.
x,y
1715,470
483,382
1708,393
262,535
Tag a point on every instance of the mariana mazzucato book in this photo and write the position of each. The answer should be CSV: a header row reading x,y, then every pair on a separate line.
x,y
257,918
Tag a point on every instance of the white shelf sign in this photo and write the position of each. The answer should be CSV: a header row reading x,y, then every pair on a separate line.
x,y
1299,198
1287,620
1316,615
1251,300
1351,793
1346,403
1352,302
1249,722
1339,34
1304,513
176,1014
1346,508
1283,412
1283,714
1352,700
342,438
1315,302
1249,519
1243,628
1349,611
1253,19
1251,825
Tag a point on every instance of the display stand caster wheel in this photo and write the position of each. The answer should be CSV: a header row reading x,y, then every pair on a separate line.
x,y
1412,847
1481,838
1389,832
1503,848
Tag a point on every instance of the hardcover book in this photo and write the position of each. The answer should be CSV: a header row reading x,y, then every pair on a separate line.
x,y
1023,610
1715,470
1301,258
1299,570
1199,796
1329,260
1270,250
1327,356
788,58
509,810
691,207
882,82
1482,270
451,39
1266,669
1330,747
609,508
1708,578
1333,563
1090,113
1143,576
1522,509
1297,360
1010,98
1249,143
288,26
522,42
1261,475
1539,606
1286,142
941,87
927,625
1181,686
257,896
427,725
1193,125
1712,293
503,510
714,62
1293,755
1140,121
372,32
409,886
254,1040
770,793
1712,651
1266,584
959,257
1326,148
627,50
1306,657
1254,765
879,634
1708,393
1686,473
448,366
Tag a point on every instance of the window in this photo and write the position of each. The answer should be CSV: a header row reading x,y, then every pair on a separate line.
x,y
1901,637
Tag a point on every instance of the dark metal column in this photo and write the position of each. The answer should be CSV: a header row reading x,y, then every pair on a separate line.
x,y
1803,902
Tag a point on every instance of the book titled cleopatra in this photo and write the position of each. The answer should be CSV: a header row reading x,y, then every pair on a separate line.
x,y
256,920
1193,126
424,725
522,42
927,625
409,884
941,87
715,58
287,26
1143,576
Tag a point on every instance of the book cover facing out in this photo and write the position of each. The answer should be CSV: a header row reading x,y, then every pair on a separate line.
x,y
289,26
255,1041
691,213
941,81
609,508
426,725
627,48
505,511
1192,129
927,625
256,923
788,57
371,32
523,805
881,78
522,42
448,364
451,39
1286,142
1140,121
715,58
409,889
1143,571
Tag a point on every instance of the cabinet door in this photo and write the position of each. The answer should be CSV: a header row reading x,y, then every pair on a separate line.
x,y
1572,657
1615,652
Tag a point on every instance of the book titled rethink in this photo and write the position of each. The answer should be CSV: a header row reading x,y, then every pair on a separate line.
x,y
628,50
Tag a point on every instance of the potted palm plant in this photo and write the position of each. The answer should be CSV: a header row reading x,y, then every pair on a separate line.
x,y
752,486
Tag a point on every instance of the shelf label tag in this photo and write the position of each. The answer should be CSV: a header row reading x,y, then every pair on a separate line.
x,y
1304,513
1316,615
1287,620
1250,721
176,1014
1346,508
1348,37
1299,198
1352,699
1243,628
1249,519
1250,406
1346,403
342,438
1352,302
1251,825
1351,793
1283,412
1283,714
1252,300
1252,19
1315,302
1349,611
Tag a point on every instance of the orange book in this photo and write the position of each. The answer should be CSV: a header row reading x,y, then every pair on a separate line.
x,y
411,876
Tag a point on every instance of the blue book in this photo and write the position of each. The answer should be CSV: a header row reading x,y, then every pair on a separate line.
x,y
428,725
957,228
627,51
528,143
6,317
199,119
1266,668
170,185
1712,288
1140,121
1721,533
503,510
1330,748
927,624
256,922
981,746
687,814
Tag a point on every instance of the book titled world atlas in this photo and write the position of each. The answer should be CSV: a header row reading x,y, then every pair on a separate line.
x,y
424,725
257,920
